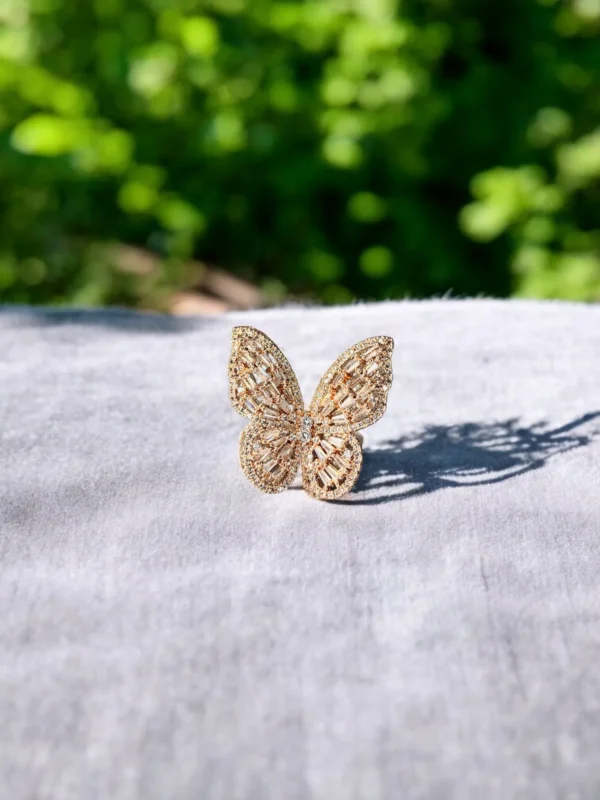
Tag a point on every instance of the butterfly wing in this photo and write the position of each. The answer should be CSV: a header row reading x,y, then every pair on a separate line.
x,y
353,392
352,395
331,464
264,389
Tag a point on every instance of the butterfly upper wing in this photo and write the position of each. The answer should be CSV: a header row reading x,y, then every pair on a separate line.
x,y
353,392
261,381
352,395
263,388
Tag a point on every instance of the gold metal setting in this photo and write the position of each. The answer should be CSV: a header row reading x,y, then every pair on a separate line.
x,y
283,437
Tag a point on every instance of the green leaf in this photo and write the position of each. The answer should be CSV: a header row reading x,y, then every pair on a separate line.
x,y
177,214
46,135
200,36
376,262
367,207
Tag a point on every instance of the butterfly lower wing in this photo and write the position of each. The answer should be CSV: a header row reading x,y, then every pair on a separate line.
x,y
269,458
263,388
353,393
331,463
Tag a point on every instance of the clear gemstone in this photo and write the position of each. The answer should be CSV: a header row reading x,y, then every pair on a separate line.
x,y
305,429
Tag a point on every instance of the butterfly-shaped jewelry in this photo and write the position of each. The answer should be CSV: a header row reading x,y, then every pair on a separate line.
x,y
322,441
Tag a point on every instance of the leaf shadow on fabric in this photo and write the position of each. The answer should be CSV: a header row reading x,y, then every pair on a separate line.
x,y
456,456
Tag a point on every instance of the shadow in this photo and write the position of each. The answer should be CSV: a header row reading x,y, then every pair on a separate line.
x,y
455,456
119,319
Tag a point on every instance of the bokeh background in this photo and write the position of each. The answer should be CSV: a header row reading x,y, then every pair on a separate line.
x,y
326,150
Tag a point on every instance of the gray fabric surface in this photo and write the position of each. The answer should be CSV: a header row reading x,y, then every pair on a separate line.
x,y
169,632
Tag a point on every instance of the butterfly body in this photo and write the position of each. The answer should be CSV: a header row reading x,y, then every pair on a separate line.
x,y
284,437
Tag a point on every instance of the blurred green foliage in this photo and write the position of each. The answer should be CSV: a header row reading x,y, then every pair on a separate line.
x,y
331,148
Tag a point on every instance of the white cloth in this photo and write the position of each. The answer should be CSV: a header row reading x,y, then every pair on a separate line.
x,y
169,633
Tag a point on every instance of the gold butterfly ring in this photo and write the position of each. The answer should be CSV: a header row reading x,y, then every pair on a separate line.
x,y
322,441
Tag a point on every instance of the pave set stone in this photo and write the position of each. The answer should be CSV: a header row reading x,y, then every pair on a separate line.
x,y
305,429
